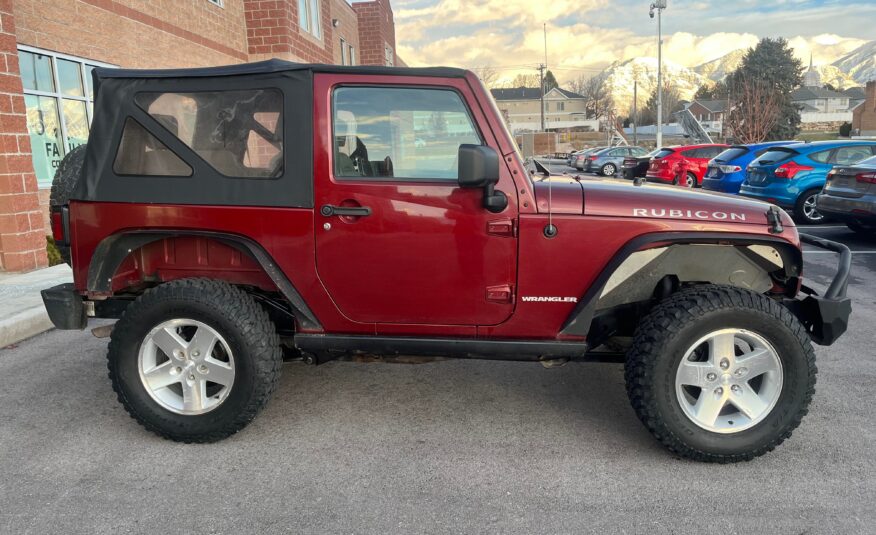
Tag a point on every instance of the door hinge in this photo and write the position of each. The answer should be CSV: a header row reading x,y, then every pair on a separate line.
x,y
502,227
503,293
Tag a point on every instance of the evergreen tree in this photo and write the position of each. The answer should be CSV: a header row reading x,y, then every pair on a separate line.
x,y
550,82
772,65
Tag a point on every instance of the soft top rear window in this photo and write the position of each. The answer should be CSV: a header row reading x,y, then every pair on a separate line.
x,y
776,155
663,153
731,154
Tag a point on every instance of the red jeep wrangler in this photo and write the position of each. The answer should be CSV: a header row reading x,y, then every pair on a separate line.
x,y
232,217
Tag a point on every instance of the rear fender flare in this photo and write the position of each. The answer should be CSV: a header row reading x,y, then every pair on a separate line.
x,y
113,250
579,320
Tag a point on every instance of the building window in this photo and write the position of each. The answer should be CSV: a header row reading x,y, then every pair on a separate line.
x,y
351,54
343,51
561,106
308,17
388,56
58,98
217,2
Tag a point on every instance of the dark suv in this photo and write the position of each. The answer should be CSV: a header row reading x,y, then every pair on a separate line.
x,y
232,217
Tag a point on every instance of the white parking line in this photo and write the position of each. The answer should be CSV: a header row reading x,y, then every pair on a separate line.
x,y
831,252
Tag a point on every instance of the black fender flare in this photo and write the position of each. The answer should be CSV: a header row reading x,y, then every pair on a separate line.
x,y
579,320
112,251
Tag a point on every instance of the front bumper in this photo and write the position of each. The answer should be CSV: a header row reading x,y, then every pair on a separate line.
x,y
826,317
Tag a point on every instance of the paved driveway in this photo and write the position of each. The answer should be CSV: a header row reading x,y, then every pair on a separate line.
x,y
454,446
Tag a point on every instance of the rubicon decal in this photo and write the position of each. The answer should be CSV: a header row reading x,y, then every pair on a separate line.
x,y
547,299
687,214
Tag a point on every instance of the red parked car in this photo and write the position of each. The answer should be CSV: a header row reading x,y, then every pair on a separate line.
x,y
235,217
684,166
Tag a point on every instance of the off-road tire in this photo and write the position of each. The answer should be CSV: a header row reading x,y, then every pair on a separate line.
x,y
799,208
64,184
679,321
243,324
604,171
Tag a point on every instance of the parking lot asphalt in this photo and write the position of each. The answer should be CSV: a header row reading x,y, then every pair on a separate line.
x,y
451,446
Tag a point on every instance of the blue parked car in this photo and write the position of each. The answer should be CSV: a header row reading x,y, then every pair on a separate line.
x,y
726,171
792,176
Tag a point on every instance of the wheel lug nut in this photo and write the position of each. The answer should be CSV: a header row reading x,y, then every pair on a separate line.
x,y
202,368
719,391
741,371
191,377
711,376
736,389
724,364
196,353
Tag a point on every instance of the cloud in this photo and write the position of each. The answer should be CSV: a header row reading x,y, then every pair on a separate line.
x,y
507,34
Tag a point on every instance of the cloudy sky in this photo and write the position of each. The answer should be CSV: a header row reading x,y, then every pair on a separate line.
x,y
586,35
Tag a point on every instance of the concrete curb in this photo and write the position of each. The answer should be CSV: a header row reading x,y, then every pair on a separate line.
x,y
25,324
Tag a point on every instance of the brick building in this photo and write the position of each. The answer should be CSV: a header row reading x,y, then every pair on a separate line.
x,y
49,47
864,116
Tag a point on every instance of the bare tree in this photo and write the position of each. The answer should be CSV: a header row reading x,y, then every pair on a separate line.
x,y
755,109
488,75
526,80
576,85
599,101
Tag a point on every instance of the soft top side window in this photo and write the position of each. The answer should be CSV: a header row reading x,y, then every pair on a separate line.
x,y
238,133
404,133
142,154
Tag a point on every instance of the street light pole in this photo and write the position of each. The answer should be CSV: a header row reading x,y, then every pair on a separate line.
x,y
659,5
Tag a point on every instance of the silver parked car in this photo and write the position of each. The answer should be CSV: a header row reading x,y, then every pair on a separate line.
x,y
849,196
581,157
607,162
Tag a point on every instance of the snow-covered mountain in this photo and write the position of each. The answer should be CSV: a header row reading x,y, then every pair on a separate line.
x,y
831,74
717,69
860,63
622,75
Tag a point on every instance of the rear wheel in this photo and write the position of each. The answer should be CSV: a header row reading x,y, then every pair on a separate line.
x,y
806,209
720,374
194,360
690,180
608,169
64,184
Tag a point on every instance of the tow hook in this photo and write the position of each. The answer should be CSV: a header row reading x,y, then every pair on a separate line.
x,y
774,219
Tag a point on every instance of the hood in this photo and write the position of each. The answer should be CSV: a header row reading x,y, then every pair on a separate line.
x,y
564,193
614,198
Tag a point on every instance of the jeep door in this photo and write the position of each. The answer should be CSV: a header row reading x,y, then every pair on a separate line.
x,y
397,240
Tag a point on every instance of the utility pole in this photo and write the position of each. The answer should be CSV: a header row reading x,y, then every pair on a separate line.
x,y
544,68
635,111
659,5
541,69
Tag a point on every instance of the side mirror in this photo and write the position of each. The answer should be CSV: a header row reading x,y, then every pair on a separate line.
x,y
479,168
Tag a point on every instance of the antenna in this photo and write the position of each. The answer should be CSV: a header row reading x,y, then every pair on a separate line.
x,y
550,230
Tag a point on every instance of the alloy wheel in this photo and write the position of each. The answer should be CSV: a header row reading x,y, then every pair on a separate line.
x,y
186,366
729,381
810,209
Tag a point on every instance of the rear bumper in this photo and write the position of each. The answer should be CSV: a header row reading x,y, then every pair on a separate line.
x,y
724,184
826,317
862,209
65,307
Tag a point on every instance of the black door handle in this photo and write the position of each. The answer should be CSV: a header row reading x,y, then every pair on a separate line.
x,y
355,211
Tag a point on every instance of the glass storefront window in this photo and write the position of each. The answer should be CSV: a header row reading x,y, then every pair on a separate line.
x,y
58,97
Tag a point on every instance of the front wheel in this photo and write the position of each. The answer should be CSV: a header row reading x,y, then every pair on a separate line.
x,y
609,169
720,374
194,360
806,209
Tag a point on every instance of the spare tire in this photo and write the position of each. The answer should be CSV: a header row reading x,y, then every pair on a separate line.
x,y
64,184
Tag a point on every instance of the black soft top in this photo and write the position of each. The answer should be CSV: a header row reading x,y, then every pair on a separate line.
x,y
277,66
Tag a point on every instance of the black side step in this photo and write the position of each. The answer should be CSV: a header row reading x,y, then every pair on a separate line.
x,y
525,350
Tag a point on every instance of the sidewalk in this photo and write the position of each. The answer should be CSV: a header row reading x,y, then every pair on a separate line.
x,y
22,313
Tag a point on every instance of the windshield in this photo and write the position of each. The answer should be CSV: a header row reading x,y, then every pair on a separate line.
x,y
731,154
663,153
775,155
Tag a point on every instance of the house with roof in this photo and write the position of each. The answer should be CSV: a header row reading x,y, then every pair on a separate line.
x,y
819,105
564,110
864,114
